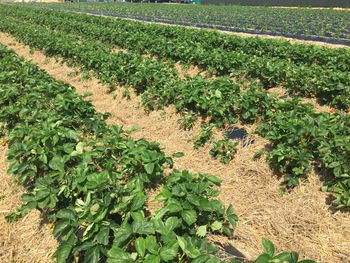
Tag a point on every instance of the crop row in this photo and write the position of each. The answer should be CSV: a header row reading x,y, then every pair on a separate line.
x,y
329,85
299,54
300,137
91,180
321,25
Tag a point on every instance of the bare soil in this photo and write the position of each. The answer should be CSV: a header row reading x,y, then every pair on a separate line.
x,y
300,220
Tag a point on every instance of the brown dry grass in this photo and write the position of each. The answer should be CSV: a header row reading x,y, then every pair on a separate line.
x,y
119,49
299,221
188,71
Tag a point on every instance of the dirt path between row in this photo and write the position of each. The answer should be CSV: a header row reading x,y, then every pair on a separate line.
x,y
297,221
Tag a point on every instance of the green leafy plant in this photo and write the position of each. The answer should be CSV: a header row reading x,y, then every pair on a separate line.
x,y
190,198
187,120
225,149
205,135
269,255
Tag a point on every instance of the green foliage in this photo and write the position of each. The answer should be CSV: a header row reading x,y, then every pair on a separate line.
x,y
303,70
189,197
269,255
300,137
187,120
225,149
205,135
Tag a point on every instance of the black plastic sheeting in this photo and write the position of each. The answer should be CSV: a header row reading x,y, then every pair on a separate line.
x,y
240,134
329,40
236,133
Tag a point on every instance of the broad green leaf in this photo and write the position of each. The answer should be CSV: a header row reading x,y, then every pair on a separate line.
x,y
189,216
171,222
164,195
94,208
152,245
138,201
140,246
216,225
66,214
282,257
202,231
57,163
294,257
149,167
182,242
233,219
160,213
227,231
117,255
264,258
92,255
60,226
79,149
27,198
102,236
230,210
192,252
214,180
174,207
64,250
122,235
152,259
159,226
134,256
178,154
142,227
169,252
269,247
186,248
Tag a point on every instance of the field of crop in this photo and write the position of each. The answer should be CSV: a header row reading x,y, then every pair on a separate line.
x,y
113,196
331,26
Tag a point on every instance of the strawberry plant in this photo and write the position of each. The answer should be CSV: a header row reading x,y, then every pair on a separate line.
x,y
204,136
189,197
225,149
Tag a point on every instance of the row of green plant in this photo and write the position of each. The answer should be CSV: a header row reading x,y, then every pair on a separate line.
x,y
296,149
326,82
312,24
91,180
